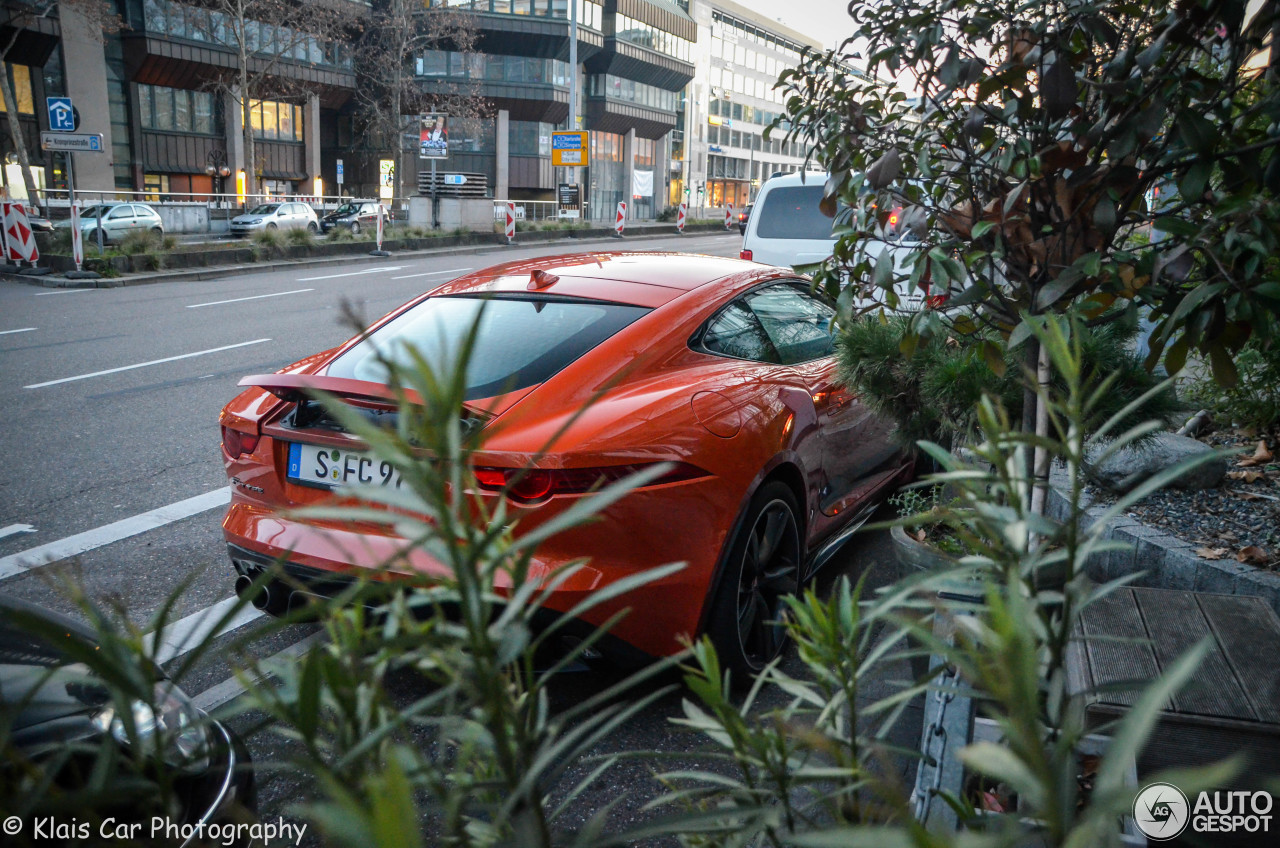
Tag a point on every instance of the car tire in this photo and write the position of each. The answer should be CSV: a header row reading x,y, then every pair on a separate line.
x,y
94,234
745,621
158,231
312,227
355,228
271,227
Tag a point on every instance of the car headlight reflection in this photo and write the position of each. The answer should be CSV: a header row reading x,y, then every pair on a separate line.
x,y
171,726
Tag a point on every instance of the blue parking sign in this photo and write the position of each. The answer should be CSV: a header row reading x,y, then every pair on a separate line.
x,y
62,117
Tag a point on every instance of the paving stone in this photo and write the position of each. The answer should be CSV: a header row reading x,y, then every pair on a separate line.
x,y
1121,562
1177,569
1263,584
1218,576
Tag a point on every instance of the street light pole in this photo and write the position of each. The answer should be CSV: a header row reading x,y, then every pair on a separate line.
x,y
573,78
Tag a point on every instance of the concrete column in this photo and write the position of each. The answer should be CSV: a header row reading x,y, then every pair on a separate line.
x,y
629,169
235,139
502,137
311,137
86,66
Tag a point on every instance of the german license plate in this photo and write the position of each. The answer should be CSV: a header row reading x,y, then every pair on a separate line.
x,y
316,465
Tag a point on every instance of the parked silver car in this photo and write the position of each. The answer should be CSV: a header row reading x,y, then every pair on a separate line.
x,y
275,216
116,220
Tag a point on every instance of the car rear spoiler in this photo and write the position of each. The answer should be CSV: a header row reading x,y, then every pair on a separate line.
x,y
295,387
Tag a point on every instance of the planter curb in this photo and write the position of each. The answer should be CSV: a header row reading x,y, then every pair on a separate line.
x,y
1168,562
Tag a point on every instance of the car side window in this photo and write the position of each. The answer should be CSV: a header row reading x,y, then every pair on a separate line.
x,y
737,332
121,212
797,323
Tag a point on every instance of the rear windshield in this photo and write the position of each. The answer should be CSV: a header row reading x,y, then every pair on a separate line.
x,y
792,213
522,341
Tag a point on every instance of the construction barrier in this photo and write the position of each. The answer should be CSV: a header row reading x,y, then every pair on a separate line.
x,y
621,219
681,215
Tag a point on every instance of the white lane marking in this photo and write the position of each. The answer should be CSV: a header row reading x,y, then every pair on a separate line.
x,y
14,529
349,274
254,297
232,688
143,364
64,291
431,273
108,533
23,330
184,634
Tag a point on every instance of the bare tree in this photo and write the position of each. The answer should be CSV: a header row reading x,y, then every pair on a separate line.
x,y
264,34
399,32
101,18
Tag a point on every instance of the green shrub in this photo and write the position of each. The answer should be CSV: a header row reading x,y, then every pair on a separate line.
x,y
1254,401
932,392
142,241
268,240
340,234
301,236
59,241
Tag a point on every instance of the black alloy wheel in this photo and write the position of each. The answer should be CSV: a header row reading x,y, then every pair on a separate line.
x,y
746,623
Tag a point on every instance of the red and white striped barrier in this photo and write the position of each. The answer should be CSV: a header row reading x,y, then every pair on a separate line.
x,y
621,220
681,215
511,222
728,216
380,212
77,237
20,241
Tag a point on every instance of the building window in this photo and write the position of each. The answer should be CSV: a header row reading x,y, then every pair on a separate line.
x,y
274,121
620,88
20,79
176,110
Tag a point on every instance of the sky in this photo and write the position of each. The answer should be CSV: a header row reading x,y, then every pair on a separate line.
x,y
827,21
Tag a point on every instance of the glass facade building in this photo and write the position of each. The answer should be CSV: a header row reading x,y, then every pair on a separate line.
x,y
674,95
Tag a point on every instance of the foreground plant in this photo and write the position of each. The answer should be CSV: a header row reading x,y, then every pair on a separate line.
x,y
819,770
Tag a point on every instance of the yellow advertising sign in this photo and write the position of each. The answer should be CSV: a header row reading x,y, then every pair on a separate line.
x,y
569,149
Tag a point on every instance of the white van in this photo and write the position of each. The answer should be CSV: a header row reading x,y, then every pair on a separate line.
x,y
786,228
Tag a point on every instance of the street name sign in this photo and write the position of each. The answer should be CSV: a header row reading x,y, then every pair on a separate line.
x,y
73,142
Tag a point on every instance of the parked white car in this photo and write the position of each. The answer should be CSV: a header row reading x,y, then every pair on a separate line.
x,y
275,216
116,220
786,228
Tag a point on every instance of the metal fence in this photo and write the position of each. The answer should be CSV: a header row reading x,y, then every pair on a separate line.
x,y
192,212
533,210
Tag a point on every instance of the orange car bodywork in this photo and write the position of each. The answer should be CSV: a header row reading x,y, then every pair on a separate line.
x,y
653,398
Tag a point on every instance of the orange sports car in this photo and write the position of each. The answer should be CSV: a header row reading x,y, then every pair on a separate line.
x,y
721,367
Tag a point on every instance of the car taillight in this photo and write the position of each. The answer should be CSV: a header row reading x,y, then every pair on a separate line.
x,y
236,443
745,254
535,485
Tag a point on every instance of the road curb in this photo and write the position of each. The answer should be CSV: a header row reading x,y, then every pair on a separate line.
x,y
218,271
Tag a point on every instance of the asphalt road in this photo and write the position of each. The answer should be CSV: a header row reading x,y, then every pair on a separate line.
x,y
109,403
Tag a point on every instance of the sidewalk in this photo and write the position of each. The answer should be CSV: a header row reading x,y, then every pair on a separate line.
x,y
635,233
